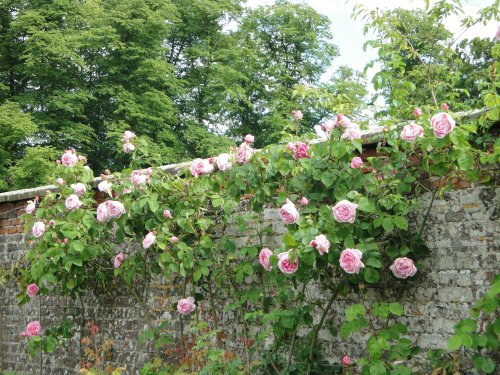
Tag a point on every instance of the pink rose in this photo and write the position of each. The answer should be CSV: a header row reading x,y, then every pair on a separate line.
x,y
30,207
34,329
321,243
264,256
174,239
285,265
443,124
38,229
224,162
356,162
289,213
138,178
343,121
186,306
300,150
128,147
149,171
346,361
403,268
52,222
417,112
290,146
345,212
444,106
411,132
249,138
24,333
297,115
60,181
304,201
109,210
167,214
119,258
73,202
32,290
201,166
497,35
149,239
127,136
115,208
244,153
350,260
328,126
69,158
79,189
105,187
352,131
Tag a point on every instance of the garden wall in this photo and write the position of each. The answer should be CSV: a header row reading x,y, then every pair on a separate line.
x,y
462,232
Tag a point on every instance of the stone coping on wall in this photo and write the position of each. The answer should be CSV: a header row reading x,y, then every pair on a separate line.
x,y
369,137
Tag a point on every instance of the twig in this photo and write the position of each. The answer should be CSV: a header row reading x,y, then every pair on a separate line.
x,y
320,324
426,216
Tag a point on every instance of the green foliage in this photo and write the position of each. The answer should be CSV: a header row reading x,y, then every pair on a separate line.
x,y
34,168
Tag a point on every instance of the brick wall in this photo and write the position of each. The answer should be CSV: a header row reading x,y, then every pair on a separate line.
x,y
463,235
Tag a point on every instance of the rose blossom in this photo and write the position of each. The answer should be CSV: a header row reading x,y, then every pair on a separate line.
x,y
346,361
105,186
149,239
128,147
290,146
224,162
352,131
32,290
167,214
109,210
444,106
249,138
127,136
411,132
328,126
264,256
285,265
300,150
69,158
138,178
350,260
201,166
356,162
38,229
119,258
403,268
343,121
297,115
244,153
73,202
186,305
174,239
417,112
289,213
52,222
60,181
30,207
443,124
79,189
34,328
321,243
345,212
497,35
304,201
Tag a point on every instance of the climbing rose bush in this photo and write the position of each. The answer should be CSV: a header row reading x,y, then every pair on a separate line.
x,y
345,217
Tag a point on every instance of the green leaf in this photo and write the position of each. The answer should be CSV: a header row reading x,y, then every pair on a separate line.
x,y
71,283
327,178
396,308
289,241
388,224
49,344
371,275
378,369
401,222
197,275
374,262
483,364
465,161
454,342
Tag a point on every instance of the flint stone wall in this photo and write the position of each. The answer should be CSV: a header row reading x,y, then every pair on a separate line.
x,y
462,232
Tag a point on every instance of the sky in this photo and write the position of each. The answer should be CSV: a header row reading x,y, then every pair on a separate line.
x,y
348,33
